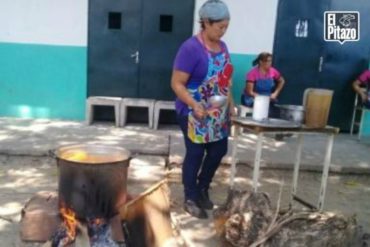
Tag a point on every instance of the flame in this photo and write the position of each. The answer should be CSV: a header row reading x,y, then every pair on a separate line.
x,y
98,221
69,219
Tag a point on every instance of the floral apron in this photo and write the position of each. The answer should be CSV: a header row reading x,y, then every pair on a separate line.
x,y
215,126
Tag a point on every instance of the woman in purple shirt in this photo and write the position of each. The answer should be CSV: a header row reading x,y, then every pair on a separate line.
x,y
363,81
202,70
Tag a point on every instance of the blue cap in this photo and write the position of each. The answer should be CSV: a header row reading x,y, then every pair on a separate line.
x,y
214,10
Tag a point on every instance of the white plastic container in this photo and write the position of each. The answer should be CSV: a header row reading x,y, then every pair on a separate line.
x,y
261,107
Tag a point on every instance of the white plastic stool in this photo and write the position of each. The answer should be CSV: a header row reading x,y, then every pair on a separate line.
x,y
133,102
244,110
102,101
161,105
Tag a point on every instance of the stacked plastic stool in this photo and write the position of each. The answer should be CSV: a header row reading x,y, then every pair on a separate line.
x,y
135,102
161,105
243,111
102,101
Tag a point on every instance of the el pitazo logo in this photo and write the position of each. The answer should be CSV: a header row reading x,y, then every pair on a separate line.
x,y
341,26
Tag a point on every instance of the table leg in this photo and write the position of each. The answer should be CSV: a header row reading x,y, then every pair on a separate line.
x,y
257,161
325,172
233,157
296,168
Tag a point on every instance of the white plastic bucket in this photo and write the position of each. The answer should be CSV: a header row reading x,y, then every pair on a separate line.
x,y
261,107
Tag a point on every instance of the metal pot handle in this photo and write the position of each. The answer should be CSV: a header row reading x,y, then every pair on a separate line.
x,y
132,156
52,153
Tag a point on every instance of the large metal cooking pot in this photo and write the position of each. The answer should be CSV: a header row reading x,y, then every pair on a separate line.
x,y
92,179
294,113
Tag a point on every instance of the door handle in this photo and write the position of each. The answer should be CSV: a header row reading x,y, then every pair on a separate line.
x,y
135,56
321,63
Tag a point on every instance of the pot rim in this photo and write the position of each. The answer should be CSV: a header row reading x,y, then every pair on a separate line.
x,y
292,107
113,154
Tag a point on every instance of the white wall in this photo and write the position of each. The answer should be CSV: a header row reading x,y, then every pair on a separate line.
x,y
54,22
252,25
64,22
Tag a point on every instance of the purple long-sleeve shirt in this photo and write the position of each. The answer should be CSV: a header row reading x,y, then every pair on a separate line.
x,y
191,58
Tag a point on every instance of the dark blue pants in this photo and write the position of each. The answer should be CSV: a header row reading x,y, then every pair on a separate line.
x,y
200,163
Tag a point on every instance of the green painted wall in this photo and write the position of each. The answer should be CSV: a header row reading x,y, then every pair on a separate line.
x,y
242,64
43,81
365,124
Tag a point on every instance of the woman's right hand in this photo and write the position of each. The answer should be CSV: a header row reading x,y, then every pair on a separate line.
x,y
199,111
273,96
363,97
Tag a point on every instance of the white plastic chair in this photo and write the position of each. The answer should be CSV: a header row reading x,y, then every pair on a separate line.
x,y
358,113
244,110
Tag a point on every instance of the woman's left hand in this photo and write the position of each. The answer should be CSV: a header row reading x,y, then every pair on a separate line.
x,y
273,96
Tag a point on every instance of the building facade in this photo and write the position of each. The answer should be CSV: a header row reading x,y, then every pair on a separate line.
x,y
44,53
44,49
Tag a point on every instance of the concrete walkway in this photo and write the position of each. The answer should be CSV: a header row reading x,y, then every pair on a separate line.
x,y
37,137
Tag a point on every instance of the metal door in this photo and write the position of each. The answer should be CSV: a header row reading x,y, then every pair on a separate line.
x,y
342,64
132,45
113,45
306,60
165,25
298,46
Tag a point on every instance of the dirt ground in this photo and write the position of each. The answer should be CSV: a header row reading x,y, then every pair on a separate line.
x,y
21,177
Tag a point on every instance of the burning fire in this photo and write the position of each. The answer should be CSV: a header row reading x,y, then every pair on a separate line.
x,y
98,221
69,219
66,234
98,230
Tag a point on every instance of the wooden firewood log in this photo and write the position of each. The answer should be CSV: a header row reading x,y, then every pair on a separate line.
x,y
244,216
247,219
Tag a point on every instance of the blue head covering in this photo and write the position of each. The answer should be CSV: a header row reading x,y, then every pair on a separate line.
x,y
214,10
